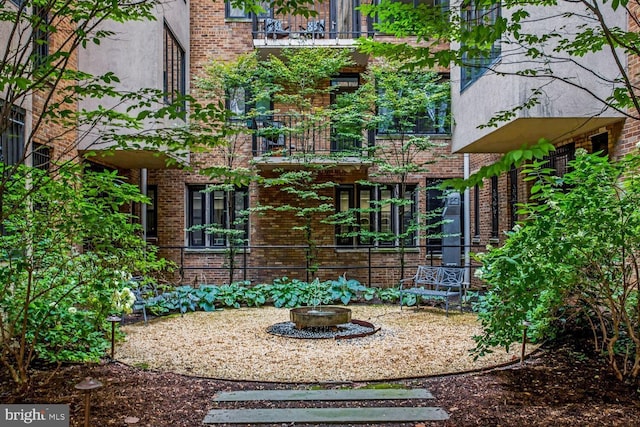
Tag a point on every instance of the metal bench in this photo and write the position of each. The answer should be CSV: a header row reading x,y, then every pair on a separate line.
x,y
432,282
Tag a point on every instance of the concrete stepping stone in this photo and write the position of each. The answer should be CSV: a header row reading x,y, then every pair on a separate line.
x,y
325,415
332,394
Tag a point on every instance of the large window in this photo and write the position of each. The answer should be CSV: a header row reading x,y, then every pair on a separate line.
x,y
391,14
40,35
476,61
217,218
234,12
377,215
12,138
413,103
175,84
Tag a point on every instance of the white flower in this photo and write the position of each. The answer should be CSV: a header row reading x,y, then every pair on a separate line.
x,y
478,273
122,301
582,152
72,310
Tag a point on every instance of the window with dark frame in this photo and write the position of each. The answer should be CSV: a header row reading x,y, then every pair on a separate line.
x,y
233,12
152,211
559,159
495,208
40,35
436,199
375,212
434,119
40,156
513,196
12,140
174,69
474,63
217,209
476,212
371,20
600,143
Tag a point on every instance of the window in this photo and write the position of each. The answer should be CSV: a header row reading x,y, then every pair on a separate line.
x,y
152,211
391,15
373,215
174,69
41,156
40,35
12,138
477,61
234,12
513,196
476,213
413,103
600,143
221,213
436,200
559,159
495,208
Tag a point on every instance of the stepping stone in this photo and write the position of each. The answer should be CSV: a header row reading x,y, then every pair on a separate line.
x,y
325,415
333,394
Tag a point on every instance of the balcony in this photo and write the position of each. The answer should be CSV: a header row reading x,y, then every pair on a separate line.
x,y
337,23
288,138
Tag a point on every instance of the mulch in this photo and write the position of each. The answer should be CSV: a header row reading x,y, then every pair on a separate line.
x,y
560,385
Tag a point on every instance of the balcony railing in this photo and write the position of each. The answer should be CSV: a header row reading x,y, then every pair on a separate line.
x,y
336,19
288,135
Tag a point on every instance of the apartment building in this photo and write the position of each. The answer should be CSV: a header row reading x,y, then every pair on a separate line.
x,y
569,110
276,244
169,53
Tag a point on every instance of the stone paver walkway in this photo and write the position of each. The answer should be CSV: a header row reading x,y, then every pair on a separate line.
x,y
327,415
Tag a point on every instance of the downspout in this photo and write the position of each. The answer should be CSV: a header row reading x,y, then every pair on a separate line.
x,y
467,224
143,206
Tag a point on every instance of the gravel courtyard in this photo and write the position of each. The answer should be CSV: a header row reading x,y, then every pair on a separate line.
x,y
234,344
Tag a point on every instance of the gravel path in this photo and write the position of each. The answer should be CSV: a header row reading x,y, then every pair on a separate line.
x,y
234,344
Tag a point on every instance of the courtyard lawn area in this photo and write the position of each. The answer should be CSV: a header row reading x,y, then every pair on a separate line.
x,y
234,344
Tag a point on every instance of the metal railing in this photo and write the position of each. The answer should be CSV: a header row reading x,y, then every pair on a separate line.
x,y
289,134
262,263
332,21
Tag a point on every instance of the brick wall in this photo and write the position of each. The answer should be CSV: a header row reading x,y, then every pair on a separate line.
x,y
214,39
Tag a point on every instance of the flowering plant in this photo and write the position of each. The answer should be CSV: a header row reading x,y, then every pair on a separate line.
x,y
122,300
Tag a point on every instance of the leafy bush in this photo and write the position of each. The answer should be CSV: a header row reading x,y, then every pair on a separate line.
x,y
344,290
578,254
55,298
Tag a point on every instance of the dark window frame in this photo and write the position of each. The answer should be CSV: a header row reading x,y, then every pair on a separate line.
x,y
245,15
201,239
174,68
513,196
40,37
476,212
40,156
600,142
495,208
355,192
436,123
12,139
473,68
152,211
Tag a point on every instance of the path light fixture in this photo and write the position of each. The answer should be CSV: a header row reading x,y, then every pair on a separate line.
x,y
113,320
87,385
525,326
